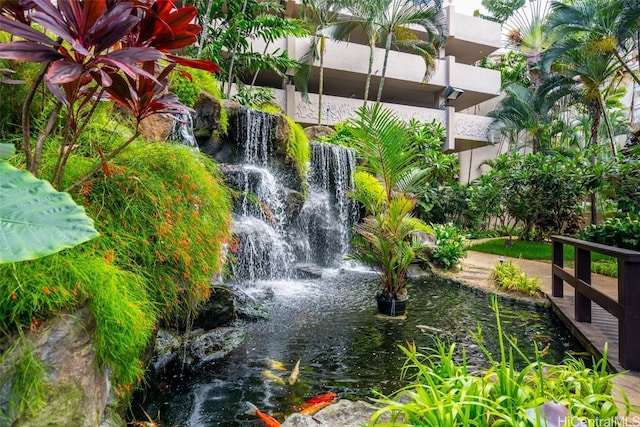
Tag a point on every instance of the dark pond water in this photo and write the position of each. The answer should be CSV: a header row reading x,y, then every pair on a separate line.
x,y
331,325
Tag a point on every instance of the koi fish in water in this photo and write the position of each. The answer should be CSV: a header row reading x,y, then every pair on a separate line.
x,y
327,397
294,374
310,410
273,377
266,419
275,365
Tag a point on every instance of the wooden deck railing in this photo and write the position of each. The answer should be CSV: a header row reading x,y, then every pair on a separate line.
x,y
627,306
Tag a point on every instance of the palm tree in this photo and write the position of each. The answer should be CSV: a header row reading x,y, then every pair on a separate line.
x,y
610,25
387,237
320,14
391,22
527,33
533,114
586,57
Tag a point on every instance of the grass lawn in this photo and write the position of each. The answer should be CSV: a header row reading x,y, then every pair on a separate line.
x,y
601,264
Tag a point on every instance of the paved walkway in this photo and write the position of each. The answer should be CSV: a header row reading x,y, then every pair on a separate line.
x,y
476,271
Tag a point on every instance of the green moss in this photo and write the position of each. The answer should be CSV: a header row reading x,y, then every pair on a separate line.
x,y
188,91
370,187
298,148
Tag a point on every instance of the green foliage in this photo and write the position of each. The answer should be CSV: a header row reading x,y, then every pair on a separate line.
x,y
189,91
35,219
254,97
451,246
298,148
230,27
446,392
164,216
388,241
343,136
370,190
508,276
619,232
542,191
25,376
512,66
164,213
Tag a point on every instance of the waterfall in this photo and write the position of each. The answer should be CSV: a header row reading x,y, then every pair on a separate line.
x,y
182,130
328,214
254,133
274,231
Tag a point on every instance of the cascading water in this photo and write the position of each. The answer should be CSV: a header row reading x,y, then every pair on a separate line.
x,y
327,216
182,130
272,236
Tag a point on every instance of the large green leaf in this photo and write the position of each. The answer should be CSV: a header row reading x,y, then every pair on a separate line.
x,y
6,150
35,219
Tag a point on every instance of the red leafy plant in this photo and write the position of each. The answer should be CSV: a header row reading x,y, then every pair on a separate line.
x,y
95,50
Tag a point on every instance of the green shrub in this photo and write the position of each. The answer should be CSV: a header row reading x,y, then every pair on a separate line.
x,y
619,232
510,277
451,246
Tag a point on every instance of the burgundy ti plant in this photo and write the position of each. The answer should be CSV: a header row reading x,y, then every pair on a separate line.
x,y
94,50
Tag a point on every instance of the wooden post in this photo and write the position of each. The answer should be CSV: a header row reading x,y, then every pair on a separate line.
x,y
628,325
583,272
557,255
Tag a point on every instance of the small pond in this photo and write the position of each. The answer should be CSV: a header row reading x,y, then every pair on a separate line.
x,y
331,325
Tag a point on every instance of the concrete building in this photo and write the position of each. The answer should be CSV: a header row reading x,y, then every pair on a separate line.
x,y
345,71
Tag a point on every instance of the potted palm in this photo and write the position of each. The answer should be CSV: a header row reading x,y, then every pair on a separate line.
x,y
388,238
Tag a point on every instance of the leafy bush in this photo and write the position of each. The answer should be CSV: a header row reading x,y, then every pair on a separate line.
x,y
619,232
510,277
451,245
445,392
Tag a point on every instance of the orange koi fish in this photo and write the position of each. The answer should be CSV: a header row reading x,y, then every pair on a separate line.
x,y
266,419
327,397
310,410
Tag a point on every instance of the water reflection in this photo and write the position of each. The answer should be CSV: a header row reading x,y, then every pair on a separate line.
x,y
332,326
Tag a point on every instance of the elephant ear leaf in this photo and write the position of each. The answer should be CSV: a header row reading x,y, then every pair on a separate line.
x,y
35,219
6,150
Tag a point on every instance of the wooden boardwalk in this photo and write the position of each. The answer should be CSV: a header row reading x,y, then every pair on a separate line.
x,y
603,330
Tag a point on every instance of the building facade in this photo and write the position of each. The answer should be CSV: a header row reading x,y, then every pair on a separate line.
x,y
405,89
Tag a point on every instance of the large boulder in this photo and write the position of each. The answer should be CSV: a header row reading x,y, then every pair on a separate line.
x,y
315,132
344,413
76,388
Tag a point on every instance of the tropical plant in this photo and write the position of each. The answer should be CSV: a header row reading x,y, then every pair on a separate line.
x,y
229,29
532,115
35,219
620,232
587,56
510,277
101,50
499,10
389,236
389,241
382,141
543,191
450,246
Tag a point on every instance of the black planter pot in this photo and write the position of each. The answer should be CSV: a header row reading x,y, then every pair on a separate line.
x,y
391,306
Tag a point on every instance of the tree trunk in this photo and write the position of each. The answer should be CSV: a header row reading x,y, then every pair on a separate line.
x,y
321,82
595,111
367,85
387,48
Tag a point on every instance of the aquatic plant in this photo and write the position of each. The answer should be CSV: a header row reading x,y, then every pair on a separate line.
x,y
446,392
